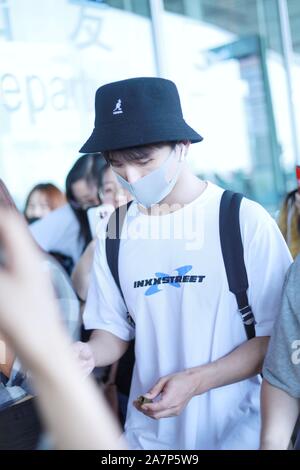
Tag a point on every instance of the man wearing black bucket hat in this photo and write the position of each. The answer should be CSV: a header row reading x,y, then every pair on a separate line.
x,y
194,364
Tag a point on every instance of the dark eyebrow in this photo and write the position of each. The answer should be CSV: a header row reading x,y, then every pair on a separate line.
x,y
112,161
117,161
142,160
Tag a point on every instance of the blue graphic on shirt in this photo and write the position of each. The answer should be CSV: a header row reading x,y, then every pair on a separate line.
x,y
180,272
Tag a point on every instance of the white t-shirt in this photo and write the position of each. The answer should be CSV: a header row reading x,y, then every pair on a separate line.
x,y
59,231
189,320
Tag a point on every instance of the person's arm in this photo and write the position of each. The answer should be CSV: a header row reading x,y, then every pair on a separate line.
x,y
73,409
107,348
177,389
279,415
106,314
78,411
81,273
103,349
113,374
7,361
281,387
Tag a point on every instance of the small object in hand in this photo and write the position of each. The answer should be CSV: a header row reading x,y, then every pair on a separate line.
x,y
143,400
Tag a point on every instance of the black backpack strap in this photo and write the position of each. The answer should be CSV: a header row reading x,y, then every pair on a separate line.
x,y
233,256
112,244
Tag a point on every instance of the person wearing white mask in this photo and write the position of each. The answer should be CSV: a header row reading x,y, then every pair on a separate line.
x,y
196,378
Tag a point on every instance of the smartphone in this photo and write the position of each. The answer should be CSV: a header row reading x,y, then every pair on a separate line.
x,y
98,217
298,177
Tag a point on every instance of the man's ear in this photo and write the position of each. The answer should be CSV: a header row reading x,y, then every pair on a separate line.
x,y
184,149
187,146
181,152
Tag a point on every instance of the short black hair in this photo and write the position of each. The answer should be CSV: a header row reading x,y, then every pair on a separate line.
x,y
135,153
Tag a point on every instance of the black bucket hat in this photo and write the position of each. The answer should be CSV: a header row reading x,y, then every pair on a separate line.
x,y
137,111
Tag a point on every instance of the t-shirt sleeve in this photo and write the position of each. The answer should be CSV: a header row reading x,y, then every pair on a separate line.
x,y
105,308
267,260
282,363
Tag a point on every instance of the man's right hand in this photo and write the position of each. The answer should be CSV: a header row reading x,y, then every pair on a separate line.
x,y
85,357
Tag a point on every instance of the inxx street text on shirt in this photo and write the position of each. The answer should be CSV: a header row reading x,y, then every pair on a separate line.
x,y
173,281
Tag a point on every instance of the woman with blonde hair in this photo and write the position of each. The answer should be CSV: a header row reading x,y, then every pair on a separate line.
x,y
289,221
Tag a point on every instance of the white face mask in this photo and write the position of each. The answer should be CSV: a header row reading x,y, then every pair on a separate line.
x,y
154,187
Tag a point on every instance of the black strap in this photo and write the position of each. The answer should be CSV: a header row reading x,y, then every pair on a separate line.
x,y
233,256
113,237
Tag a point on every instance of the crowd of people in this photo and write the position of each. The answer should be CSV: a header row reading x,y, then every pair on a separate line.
x,y
144,307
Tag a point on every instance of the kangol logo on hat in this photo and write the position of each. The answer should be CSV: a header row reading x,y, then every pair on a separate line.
x,y
118,107
153,114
